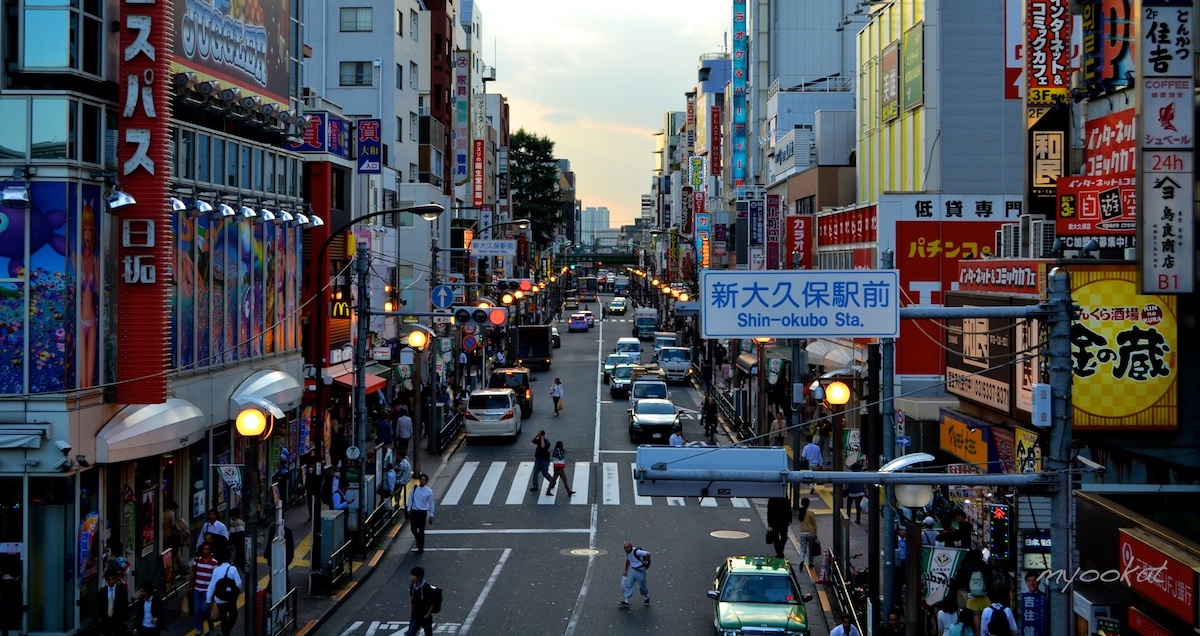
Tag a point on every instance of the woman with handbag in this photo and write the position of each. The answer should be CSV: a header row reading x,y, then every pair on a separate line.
x,y
558,459
808,533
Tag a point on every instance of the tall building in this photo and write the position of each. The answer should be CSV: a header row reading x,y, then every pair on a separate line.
x,y
592,220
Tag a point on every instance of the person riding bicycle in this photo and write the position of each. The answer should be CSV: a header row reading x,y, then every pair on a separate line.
x,y
709,413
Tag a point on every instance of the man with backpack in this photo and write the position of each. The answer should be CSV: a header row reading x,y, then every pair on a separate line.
x,y
222,596
426,601
637,561
997,619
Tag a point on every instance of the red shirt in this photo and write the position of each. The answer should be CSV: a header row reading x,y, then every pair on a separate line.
x,y
202,569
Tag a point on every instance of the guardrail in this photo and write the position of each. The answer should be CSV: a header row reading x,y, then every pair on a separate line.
x,y
440,438
735,421
281,617
340,566
378,521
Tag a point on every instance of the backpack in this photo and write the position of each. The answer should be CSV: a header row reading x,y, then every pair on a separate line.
x,y
998,623
435,598
227,590
644,559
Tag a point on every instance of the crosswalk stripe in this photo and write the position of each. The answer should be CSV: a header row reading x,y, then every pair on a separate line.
x,y
459,486
516,492
611,485
640,500
739,502
675,501
580,479
491,481
708,502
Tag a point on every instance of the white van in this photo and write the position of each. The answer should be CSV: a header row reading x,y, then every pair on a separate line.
x,y
631,347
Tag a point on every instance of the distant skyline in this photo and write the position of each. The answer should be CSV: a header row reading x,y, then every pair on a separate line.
x,y
597,78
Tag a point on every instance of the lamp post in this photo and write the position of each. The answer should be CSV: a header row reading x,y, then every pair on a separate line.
x,y
251,425
418,339
760,345
319,299
836,394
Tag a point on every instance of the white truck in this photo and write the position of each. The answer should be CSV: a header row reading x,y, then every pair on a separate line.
x,y
676,362
645,322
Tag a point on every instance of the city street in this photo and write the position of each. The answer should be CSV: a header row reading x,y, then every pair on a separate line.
x,y
513,561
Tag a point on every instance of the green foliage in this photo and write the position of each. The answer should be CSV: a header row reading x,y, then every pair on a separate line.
x,y
533,184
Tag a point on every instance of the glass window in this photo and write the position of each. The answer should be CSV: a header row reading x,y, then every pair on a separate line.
x,y
92,138
203,159
413,73
413,126
356,18
50,47
412,24
400,129
184,153
231,163
399,22
50,129
356,74
12,133
247,168
399,76
92,52
218,160
270,172
258,169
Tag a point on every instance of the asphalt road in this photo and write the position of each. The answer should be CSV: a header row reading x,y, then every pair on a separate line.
x,y
513,561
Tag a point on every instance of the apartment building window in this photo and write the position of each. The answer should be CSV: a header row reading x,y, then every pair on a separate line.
x,y
63,35
412,173
400,129
356,74
413,72
399,77
412,25
356,18
413,126
399,22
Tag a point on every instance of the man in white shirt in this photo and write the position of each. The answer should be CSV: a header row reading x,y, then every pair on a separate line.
x,y
677,437
224,609
420,510
986,617
846,628
213,526
404,429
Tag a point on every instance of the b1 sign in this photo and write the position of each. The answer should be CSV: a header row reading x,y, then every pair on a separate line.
x,y
498,247
859,303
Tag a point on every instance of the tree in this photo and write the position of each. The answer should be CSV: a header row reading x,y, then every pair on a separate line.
x,y
533,184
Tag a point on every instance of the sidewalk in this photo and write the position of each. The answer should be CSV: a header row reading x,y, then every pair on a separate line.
x,y
311,610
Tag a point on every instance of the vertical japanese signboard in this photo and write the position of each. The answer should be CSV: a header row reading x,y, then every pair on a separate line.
x,y
741,71
1166,206
1047,80
774,230
462,115
144,166
912,60
369,147
478,171
799,241
889,94
703,237
715,135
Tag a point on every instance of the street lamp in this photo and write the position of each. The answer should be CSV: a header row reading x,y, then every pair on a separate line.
x,y
251,424
836,394
418,339
760,345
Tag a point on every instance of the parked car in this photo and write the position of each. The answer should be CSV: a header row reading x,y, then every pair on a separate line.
x,y
613,360
520,380
760,593
577,322
619,380
492,413
555,338
652,420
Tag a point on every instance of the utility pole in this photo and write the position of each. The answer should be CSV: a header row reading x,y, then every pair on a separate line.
x,y
363,316
887,388
1062,312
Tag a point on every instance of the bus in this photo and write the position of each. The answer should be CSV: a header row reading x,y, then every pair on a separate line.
x,y
587,289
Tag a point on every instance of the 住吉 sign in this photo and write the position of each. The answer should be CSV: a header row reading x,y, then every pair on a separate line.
x,y
800,304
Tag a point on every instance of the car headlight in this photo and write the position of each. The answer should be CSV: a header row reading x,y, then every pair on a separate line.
x,y
729,632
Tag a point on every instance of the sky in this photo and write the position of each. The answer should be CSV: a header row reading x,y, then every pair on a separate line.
x,y
596,79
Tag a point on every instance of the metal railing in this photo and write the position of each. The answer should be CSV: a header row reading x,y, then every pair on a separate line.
x,y
740,426
340,566
442,437
378,521
281,617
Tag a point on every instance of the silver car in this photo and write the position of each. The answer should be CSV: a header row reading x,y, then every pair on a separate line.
x,y
492,413
652,420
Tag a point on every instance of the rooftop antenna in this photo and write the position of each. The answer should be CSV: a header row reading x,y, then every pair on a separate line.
x,y
725,43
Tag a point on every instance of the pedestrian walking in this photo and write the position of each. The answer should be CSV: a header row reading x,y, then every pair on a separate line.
x,y
202,570
808,531
312,487
603,311
854,497
947,614
779,517
709,412
420,510
997,618
929,533
845,628
404,430
778,428
726,375
223,605
421,594
341,501
895,625
810,459
541,460
559,462
403,476
114,605
213,526
147,612
387,485
237,537
556,393
637,561
964,625
177,535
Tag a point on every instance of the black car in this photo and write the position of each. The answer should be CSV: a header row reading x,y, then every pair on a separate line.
x,y
520,380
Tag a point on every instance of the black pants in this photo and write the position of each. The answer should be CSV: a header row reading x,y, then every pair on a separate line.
x,y
420,622
417,519
854,501
147,631
228,613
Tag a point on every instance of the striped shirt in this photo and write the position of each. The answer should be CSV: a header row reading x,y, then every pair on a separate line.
x,y
203,571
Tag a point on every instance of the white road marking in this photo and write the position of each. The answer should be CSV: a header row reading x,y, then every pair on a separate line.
x,y
739,502
516,491
353,626
487,588
459,486
708,502
491,481
508,531
676,501
639,500
577,611
581,479
612,486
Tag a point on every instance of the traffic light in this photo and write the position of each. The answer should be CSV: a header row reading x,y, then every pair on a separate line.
x,y
514,284
1000,530
480,316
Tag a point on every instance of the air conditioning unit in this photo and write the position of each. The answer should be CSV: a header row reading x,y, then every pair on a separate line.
x,y
1010,240
1026,229
998,245
1041,238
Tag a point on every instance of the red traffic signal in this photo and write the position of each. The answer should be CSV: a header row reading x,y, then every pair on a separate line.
x,y
481,316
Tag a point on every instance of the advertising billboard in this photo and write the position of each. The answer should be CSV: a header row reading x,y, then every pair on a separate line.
x,y
889,94
241,44
799,242
978,351
1103,208
912,61
1047,51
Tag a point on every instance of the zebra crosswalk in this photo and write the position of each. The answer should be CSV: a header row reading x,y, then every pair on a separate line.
x,y
496,483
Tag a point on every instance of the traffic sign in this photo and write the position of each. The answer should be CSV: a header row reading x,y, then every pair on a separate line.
x,y
352,452
900,421
469,342
443,296
903,440
800,303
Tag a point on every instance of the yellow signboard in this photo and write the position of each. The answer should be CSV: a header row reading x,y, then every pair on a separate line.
x,y
1124,353
1028,453
964,441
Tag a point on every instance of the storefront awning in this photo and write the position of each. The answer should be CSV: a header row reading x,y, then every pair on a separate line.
x,y
374,382
690,308
143,430
23,435
829,354
266,389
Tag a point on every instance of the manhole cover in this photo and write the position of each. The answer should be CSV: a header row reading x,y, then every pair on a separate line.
x,y
584,552
728,534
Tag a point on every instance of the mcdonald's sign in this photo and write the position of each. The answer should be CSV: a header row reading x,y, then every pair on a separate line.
x,y
341,310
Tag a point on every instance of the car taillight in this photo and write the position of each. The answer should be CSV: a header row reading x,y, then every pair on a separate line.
x,y
508,416
471,416
528,394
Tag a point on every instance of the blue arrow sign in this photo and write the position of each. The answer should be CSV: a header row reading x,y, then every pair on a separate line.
x,y
443,296
903,440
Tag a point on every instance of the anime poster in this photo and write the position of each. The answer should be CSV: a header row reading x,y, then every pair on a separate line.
x,y
88,274
34,244
129,519
244,307
185,291
269,254
88,548
203,288
306,442
293,288
147,521
220,287
256,296
279,295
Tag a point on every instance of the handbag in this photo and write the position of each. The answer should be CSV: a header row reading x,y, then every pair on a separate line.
x,y
562,404
771,537
814,548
